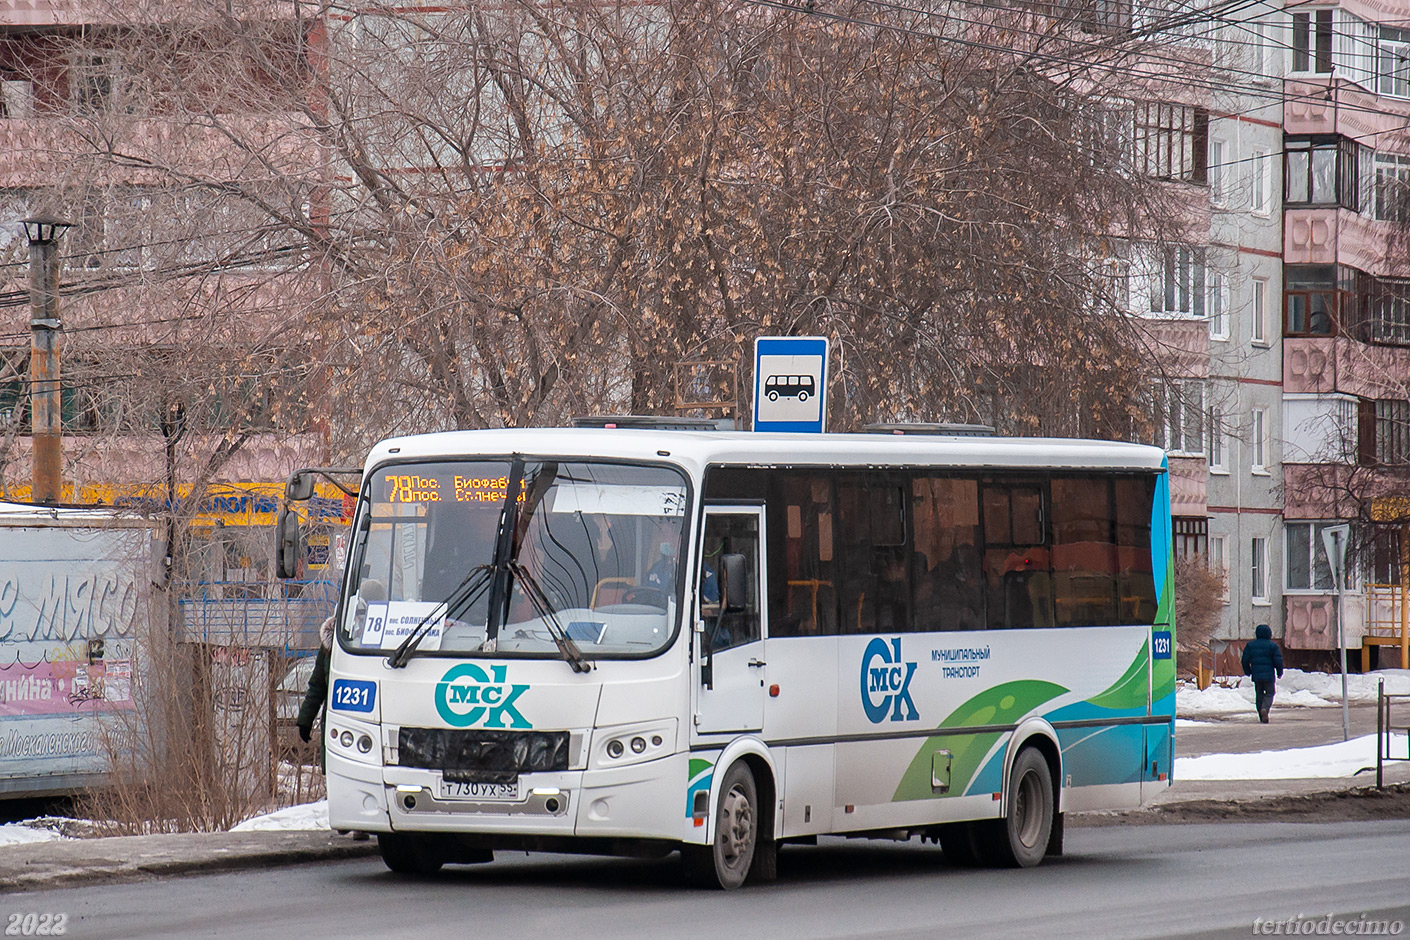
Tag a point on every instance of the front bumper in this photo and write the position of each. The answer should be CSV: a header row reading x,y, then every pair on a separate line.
x,y
642,801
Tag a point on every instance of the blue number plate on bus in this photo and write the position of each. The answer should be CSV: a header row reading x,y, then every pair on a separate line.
x,y
353,695
1160,644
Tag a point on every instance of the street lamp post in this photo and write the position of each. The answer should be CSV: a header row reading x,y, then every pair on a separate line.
x,y
46,409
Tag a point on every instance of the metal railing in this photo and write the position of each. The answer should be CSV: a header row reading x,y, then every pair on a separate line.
x,y
1387,620
1385,730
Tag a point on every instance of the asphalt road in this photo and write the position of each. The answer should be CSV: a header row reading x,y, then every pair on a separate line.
x,y
1121,881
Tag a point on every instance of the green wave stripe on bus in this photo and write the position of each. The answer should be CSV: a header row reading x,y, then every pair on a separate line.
x,y
1002,705
1130,690
1163,670
698,764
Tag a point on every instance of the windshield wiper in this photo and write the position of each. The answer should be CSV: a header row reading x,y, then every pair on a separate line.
x,y
544,607
466,592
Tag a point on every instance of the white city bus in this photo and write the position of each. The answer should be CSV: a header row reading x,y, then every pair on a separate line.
x,y
638,641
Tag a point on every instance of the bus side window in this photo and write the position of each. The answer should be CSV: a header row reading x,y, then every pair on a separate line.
x,y
1135,578
804,599
1019,590
949,593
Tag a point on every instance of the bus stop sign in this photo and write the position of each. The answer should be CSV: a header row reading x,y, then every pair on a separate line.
x,y
790,383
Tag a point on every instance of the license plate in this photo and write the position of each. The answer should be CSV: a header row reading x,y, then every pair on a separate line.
x,y
480,792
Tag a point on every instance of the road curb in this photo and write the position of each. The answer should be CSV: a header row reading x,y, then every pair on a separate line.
x,y
68,863
1344,804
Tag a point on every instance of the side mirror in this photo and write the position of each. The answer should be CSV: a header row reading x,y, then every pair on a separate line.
x,y
287,547
299,487
734,583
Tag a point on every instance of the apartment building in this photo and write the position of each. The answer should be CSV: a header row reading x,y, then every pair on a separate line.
x,y
1286,333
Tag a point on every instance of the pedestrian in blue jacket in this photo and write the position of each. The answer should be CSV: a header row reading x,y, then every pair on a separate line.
x,y
1263,660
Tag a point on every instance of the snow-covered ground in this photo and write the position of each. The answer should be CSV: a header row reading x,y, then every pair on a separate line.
x,y
1342,759
24,833
1296,689
304,816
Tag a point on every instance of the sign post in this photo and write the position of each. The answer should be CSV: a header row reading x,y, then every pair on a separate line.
x,y
790,383
1334,539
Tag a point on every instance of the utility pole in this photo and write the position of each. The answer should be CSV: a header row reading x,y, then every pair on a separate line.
x,y
45,410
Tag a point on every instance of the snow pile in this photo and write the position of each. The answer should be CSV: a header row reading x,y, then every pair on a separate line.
x,y
304,816
1343,759
1296,689
25,833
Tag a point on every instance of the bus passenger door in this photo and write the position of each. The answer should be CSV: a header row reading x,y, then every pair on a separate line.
x,y
729,659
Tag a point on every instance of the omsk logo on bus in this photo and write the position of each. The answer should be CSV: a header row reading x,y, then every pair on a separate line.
x,y
467,695
886,682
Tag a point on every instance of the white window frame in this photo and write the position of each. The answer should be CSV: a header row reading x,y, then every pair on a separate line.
x,y
1182,403
1258,441
1260,189
1218,173
1216,304
1258,322
1316,550
1392,45
1219,559
1218,447
1258,570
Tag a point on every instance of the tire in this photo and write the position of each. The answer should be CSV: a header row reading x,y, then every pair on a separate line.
x,y
726,863
957,842
409,854
1021,837
773,396
802,396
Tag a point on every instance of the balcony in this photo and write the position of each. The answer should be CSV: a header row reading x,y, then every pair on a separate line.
x,y
1310,621
1325,105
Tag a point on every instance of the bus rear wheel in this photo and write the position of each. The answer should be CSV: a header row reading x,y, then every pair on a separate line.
x,y
1021,837
409,854
725,863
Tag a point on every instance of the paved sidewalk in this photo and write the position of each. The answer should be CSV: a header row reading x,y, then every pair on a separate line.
x,y
125,858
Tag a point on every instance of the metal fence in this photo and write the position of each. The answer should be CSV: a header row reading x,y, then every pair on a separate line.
x,y
269,614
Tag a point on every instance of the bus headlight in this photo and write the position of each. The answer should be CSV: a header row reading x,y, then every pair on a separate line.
x,y
633,744
354,740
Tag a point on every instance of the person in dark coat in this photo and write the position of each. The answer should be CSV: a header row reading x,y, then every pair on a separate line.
x,y
1263,661
316,697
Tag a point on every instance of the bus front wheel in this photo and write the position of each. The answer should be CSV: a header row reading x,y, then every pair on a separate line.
x,y
726,861
1021,837
409,854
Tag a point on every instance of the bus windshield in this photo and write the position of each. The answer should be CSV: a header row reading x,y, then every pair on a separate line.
x,y
591,551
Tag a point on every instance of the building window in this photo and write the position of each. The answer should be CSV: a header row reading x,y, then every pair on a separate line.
x,y
1388,312
1218,456
1312,41
1191,536
1181,424
1314,295
1393,62
1322,171
1383,437
1392,189
1172,141
1258,449
1218,175
1218,556
1176,281
1258,556
1217,306
1259,188
1306,559
16,99
95,83
1258,327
